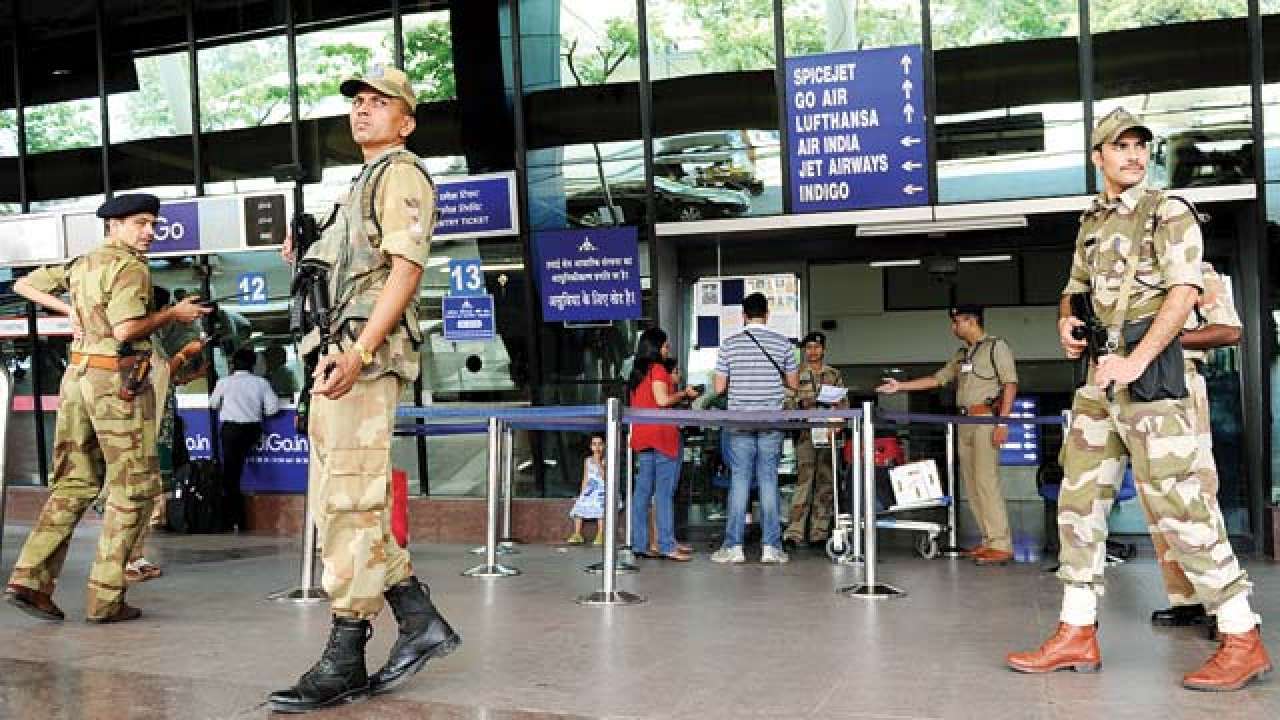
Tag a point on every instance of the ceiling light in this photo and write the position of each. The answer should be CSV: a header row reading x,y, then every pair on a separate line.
x,y
894,263
941,226
986,258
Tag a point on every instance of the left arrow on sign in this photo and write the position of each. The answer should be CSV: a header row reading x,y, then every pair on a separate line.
x,y
908,141
912,189
911,165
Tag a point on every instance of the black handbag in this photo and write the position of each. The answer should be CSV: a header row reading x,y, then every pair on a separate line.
x,y
1164,378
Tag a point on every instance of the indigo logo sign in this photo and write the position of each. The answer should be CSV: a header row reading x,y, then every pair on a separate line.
x,y
177,228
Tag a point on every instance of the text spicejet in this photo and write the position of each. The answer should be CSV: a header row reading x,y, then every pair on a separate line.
x,y
839,73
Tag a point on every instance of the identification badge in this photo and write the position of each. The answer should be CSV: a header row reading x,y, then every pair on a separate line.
x,y
966,367
821,437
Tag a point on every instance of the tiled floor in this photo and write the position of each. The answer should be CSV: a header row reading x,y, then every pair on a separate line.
x,y
747,641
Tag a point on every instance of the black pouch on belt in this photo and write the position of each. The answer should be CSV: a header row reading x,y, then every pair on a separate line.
x,y
1164,378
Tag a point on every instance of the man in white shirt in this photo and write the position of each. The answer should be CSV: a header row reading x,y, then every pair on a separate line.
x,y
243,400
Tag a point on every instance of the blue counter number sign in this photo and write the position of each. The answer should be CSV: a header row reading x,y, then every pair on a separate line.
x,y
465,277
252,288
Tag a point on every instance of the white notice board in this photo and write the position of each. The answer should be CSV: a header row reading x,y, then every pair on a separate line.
x,y
717,305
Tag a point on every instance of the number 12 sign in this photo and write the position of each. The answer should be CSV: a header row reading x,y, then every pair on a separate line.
x,y
252,288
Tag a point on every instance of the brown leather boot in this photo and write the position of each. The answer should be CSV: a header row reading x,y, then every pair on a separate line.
x,y
33,602
1240,658
992,556
1070,646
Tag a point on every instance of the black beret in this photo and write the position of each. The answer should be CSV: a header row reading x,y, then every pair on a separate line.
x,y
129,204
814,336
974,310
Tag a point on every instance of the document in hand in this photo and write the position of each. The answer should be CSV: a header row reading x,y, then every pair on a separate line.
x,y
830,394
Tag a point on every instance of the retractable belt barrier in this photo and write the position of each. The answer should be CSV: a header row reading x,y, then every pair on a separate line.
x,y
952,548
502,421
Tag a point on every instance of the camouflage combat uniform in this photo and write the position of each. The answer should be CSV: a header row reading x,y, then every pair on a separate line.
x,y
1215,308
990,366
108,286
350,471
813,499
1160,438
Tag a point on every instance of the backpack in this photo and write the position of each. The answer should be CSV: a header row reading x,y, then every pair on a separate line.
x,y
197,505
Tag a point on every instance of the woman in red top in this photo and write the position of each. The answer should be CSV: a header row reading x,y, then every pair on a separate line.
x,y
656,446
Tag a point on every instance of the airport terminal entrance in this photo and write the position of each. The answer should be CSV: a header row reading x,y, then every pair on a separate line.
x,y
881,298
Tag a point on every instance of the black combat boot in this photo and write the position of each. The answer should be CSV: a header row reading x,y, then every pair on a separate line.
x,y
1180,616
424,634
339,677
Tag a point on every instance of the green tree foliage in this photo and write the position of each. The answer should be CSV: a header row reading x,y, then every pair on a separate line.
x,y
1105,15
428,59
736,34
965,23
594,66
62,126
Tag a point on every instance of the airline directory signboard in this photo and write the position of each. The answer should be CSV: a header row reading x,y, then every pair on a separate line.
x,y
857,127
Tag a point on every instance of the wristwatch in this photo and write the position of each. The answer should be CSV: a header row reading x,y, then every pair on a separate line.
x,y
366,357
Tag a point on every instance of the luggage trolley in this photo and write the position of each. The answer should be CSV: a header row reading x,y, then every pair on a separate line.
x,y
888,454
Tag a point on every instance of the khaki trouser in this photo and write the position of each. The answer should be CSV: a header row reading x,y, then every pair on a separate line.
x,y
95,428
1178,587
350,479
980,475
814,495
1160,440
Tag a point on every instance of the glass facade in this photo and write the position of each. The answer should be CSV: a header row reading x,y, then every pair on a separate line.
x,y
195,99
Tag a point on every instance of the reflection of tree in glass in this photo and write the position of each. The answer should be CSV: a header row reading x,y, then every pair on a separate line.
x,y
60,126
620,43
594,68
1123,14
428,60
737,34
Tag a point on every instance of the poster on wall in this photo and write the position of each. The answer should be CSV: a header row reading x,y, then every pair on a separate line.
x,y
277,464
857,128
717,305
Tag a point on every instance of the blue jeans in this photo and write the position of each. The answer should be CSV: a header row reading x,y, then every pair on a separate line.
x,y
657,478
754,455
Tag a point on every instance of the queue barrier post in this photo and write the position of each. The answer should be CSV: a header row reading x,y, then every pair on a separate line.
x,y
508,541
855,485
307,592
870,588
491,567
952,548
608,594
626,558
6,398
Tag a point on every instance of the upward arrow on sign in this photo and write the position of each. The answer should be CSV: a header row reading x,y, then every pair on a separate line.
x,y
908,112
907,86
906,63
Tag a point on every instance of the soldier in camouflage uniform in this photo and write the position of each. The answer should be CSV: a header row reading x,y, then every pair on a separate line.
x,y
814,494
1214,324
374,246
110,293
176,356
1139,254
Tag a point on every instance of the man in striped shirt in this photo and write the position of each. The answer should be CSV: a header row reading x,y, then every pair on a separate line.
x,y
756,367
